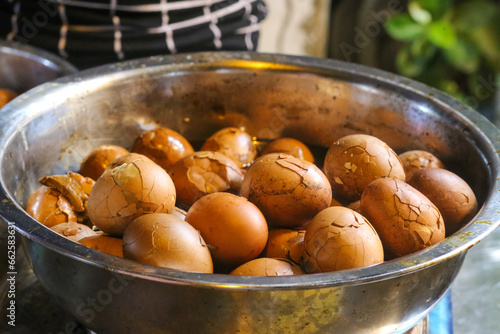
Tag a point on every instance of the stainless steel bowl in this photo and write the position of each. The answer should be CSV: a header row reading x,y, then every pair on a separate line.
x,y
23,67
51,128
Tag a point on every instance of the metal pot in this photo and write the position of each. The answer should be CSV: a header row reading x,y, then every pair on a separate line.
x,y
23,67
51,128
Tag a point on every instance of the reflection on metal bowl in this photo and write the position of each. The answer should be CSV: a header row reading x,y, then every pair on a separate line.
x,y
23,67
315,100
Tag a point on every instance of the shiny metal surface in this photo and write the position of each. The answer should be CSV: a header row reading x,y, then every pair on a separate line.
x,y
23,67
316,100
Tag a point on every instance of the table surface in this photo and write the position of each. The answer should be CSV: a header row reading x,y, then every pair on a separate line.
x,y
476,290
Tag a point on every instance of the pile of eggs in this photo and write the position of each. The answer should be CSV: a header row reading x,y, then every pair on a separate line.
x,y
235,209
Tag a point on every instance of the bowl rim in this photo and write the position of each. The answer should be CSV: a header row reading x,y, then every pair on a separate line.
x,y
37,54
484,223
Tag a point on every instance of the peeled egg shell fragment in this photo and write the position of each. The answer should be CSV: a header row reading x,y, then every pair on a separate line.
x,y
339,238
128,191
354,161
404,218
49,207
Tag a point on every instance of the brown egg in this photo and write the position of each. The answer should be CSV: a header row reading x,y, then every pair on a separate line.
x,y
354,161
288,191
285,244
289,146
417,159
128,158
164,240
356,206
202,173
49,207
234,228
268,267
128,191
73,231
163,146
404,218
449,192
234,143
6,96
104,243
339,238
96,161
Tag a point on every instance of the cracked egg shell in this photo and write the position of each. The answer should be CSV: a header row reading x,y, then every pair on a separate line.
x,y
288,191
418,159
354,161
202,173
405,219
289,146
128,191
339,238
128,158
95,162
285,244
268,267
164,240
73,231
163,146
233,143
449,192
179,213
49,207
104,243
234,228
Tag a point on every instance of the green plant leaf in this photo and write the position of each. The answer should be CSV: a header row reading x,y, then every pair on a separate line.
x,y
472,14
422,48
449,86
442,34
487,40
418,13
409,65
402,27
463,55
437,8
452,88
